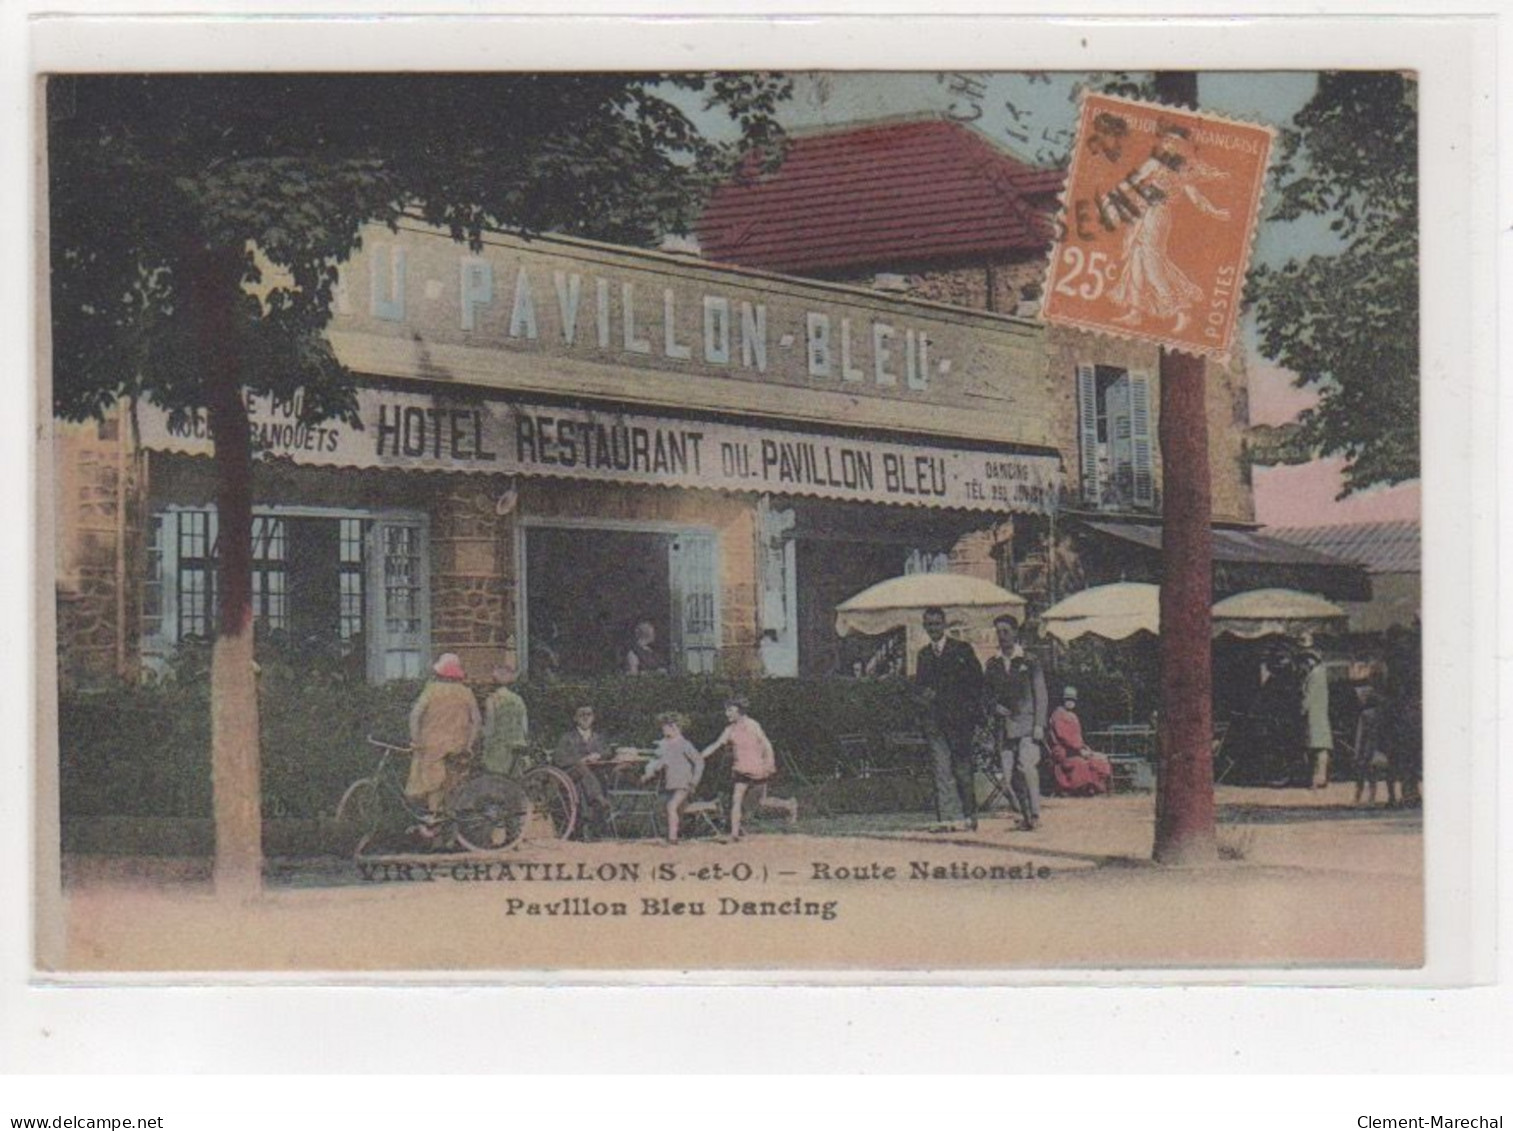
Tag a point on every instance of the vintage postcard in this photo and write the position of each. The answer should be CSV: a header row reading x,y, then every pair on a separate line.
x,y
723,522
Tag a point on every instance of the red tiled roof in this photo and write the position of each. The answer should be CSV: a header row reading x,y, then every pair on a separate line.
x,y
878,195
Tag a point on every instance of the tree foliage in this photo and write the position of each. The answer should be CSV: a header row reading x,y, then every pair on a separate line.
x,y
169,194
148,172
1347,323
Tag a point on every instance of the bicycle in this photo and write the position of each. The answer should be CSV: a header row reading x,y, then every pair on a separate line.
x,y
483,812
552,793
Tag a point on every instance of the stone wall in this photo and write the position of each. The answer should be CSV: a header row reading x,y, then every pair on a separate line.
x,y
98,518
976,553
996,287
472,572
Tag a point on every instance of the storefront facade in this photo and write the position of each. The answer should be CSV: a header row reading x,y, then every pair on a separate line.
x,y
561,440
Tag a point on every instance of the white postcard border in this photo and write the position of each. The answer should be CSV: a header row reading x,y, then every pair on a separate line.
x,y
1459,508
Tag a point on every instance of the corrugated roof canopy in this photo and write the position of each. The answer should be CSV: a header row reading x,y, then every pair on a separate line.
x,y
1382,547
880,195
1242,559
1229,545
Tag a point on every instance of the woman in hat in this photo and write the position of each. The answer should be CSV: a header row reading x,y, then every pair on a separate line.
x,y
1078,769
444,721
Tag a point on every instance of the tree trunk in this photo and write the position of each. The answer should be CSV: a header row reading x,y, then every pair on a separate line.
x,y
234,751
1185,830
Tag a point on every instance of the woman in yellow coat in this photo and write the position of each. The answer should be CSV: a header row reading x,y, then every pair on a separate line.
x,y
444,721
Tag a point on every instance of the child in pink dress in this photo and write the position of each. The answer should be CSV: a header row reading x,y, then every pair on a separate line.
x,y
753,763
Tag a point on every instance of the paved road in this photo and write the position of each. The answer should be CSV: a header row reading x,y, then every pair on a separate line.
x,y
1306,880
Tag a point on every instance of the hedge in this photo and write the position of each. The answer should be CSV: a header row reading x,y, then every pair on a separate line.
x,y
145,751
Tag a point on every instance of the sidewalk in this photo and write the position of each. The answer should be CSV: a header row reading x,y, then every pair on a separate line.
x,y
1307,881
1301,828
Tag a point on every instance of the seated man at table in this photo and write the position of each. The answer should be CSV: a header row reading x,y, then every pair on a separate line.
x,y
578,752
1078,769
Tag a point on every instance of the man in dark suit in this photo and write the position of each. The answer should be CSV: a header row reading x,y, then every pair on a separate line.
x,y
578,752
949,680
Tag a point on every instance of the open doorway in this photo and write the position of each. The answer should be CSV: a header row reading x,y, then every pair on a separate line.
x,y
587,589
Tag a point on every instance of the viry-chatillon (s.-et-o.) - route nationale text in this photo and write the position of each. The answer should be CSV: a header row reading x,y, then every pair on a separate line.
x,y
473,871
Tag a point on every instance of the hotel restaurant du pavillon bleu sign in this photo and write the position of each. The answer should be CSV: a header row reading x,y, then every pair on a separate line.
x,y
561,318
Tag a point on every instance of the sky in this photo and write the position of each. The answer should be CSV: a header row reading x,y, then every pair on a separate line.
x,y
1033,114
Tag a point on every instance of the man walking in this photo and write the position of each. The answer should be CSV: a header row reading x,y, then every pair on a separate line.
x,y
949,680
1017,695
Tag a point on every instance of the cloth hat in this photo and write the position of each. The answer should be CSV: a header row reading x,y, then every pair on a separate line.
x,y
448,666
1069,693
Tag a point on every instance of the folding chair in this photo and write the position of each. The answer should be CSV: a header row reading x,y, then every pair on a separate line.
x,y
813,791
633,806
1130,750
856,754
707,815
788,806
634,809
990,768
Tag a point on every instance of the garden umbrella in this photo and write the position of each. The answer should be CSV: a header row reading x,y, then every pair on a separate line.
x,y
1113,612
898,603
1276,612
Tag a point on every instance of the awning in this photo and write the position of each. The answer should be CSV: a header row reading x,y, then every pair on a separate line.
x,y
1276,612
1114,612
1243,559
969,602
470,433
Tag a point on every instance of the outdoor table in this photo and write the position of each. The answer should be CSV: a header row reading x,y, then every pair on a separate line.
x,y
632,803
904,752
1131,753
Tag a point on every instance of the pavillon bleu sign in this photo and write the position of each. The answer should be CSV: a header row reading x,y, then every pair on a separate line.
x,y
491,436
564,317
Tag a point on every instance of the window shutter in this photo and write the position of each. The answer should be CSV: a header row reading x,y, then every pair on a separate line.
x,y
1144,457
399,599
693,574
1087,428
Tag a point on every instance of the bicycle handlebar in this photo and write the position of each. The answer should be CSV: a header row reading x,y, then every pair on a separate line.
x,y
389,746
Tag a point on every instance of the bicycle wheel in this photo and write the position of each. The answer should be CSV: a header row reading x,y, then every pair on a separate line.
x,y
489,811
553,803
357,814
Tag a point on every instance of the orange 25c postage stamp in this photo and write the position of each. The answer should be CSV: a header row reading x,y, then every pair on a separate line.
x,y
1157,222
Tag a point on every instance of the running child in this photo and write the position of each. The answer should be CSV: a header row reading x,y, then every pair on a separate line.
x,y
753,763
681,766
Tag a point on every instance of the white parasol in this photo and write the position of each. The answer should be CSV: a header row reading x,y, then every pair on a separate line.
x,y
1113,612
1276,612
970,602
